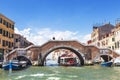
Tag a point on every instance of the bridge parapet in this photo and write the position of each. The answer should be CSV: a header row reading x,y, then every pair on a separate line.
x,y
51,44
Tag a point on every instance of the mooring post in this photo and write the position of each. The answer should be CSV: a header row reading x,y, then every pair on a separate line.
x,y
10,66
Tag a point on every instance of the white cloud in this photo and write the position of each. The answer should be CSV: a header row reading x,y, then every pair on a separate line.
x,y
45,34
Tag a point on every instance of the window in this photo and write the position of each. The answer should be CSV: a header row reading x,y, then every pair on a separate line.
x,y
3,42
13,27
98,44
3,32
115,45
9,25
0,31
12,44
0,40
109,47
7,33
106,42
9,45
16,40
0,20
118,44
12,35
4,22
112,47
113,39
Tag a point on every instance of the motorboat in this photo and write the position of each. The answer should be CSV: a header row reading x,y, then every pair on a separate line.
x,y
68,61
23,64
14,65
117,61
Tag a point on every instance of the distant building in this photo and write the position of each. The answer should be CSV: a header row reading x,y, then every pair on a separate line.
x,y
106,36
6,35
20,41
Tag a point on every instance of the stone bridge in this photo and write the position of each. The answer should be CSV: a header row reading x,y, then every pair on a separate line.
x,y
38,54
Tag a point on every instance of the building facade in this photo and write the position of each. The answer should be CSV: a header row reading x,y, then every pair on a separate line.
x,y
20,41
99,32
108,37
6,35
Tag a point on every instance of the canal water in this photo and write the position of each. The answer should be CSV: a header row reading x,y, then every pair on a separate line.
x,y
63,73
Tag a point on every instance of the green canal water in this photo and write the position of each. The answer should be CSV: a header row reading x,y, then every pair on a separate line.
x,y
63,73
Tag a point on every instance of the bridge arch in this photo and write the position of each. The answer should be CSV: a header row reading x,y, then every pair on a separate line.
x,y
75,51
24,58
106,57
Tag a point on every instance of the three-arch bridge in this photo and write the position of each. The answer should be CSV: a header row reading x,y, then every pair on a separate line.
x,y
38,54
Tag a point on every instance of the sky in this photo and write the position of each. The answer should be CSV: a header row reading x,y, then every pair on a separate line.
x,y
40,20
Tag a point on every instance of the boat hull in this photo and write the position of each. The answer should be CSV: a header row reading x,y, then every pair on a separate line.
x,y
107,64
68,64
13,67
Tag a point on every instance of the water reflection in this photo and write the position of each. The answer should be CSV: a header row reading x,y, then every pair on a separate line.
x,y
52,63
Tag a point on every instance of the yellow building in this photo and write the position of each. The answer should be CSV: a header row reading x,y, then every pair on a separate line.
x,y
6,35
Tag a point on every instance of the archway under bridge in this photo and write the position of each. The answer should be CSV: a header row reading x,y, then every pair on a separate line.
x,y
106,58
77,53
24,58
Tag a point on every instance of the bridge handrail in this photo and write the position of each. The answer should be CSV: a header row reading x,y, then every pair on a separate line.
x,y
31,46
53,41
110,50
61,41
15,50
104,49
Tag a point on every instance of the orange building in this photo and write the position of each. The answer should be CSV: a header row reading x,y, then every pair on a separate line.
x,y
6,35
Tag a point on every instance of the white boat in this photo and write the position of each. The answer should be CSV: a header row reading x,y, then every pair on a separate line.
x,y
68,61
117,61
23,64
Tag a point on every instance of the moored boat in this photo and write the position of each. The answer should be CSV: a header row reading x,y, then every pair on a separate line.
x,y
107,64
1,64
68,61
117,61
23,64
14,65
